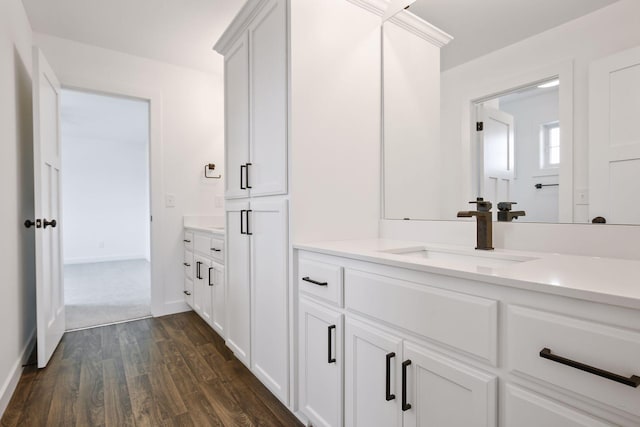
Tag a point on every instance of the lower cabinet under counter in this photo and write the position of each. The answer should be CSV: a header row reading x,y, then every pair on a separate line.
x,y
401,367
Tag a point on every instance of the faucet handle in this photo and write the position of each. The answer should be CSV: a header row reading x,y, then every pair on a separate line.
x,y
483,205
506,206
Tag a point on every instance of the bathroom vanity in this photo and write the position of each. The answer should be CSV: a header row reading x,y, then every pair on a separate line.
x,y
395,333
204,285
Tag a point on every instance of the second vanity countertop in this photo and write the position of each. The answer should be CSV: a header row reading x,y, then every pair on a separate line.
x,y
603,280
206,229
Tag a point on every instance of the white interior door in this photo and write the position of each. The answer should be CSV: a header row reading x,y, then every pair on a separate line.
x,y
497,148
47,181
614,137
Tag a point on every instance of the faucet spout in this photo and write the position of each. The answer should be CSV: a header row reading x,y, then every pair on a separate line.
x,y
466,214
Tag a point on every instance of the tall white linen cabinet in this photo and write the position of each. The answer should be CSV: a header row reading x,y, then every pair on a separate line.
x,y
303,91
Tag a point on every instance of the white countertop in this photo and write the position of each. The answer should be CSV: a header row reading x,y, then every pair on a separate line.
x,y
206,229
603,280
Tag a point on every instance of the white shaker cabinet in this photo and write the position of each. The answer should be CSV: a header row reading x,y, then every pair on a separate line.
x,y
256,106
257,291
321,364
200,289
217,298
238,281
393,382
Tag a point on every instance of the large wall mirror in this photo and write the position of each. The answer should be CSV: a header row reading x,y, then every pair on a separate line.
x,y
542,112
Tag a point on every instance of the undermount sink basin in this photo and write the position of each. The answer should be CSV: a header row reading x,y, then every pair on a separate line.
x,y
462,257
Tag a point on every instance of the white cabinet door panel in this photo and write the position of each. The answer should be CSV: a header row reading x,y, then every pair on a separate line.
x,y
268,225
236,99
371,355
218,297
268,72
444,392
238,282
321,362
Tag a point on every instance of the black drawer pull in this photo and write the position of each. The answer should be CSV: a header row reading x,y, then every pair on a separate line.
x,y
405,406
633,381
307,279
389,396
187,293
186,264
330,358
216,250
187,241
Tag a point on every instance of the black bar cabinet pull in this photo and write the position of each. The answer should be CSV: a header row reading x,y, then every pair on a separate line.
x,y
51,223
389,396
633,381
198,264
242,222
247,212
216,250
307,279
246,172
242,186
187,293
186,264
210,268
539,186
187,241
330,358
405,406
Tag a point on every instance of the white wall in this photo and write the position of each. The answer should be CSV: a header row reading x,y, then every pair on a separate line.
x,y
599,34
190,105
105,199
335,126
17,245
530,112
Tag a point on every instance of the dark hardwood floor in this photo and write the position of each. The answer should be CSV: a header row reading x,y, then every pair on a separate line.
x,y
167,371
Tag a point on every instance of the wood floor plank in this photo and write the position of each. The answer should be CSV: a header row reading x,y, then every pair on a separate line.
x,y
117,403
167,371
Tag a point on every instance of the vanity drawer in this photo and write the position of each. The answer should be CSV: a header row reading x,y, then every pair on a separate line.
x,y
321,280
466,322
188,240
592,345
217,249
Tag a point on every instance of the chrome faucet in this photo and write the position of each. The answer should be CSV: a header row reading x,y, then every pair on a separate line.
x,y
484,230
505,214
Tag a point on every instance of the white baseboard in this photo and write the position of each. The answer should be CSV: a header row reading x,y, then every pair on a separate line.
x,y
171,307
11,382
111,258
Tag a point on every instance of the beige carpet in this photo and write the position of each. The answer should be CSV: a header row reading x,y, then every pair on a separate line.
x,y
106,292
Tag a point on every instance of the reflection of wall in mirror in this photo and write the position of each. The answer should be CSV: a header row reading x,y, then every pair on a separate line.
x,y
593,36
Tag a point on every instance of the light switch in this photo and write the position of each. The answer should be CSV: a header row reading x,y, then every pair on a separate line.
x,y
581,196
170,201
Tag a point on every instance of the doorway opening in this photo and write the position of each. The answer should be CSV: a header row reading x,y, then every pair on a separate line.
x,y
106,205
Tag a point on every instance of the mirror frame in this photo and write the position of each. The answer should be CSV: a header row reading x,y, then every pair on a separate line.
x,y
563,71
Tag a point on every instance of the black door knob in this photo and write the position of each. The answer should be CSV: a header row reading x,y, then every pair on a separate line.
x,y
51,223
37,223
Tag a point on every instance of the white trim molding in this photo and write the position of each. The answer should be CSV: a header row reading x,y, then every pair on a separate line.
x,y
239,24
11,382
407,21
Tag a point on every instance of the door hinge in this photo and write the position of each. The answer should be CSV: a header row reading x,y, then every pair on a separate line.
x,y
479,126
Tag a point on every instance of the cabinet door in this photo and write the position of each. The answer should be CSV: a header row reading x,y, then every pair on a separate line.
x,y
236,107
527,409
372,367
218,300
188,291
238,286
199,285
208,275
444,392
268,65
320,374
267,223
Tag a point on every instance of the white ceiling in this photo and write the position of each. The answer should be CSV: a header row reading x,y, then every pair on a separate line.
x,y
93,116
183,32
180,32
482,26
